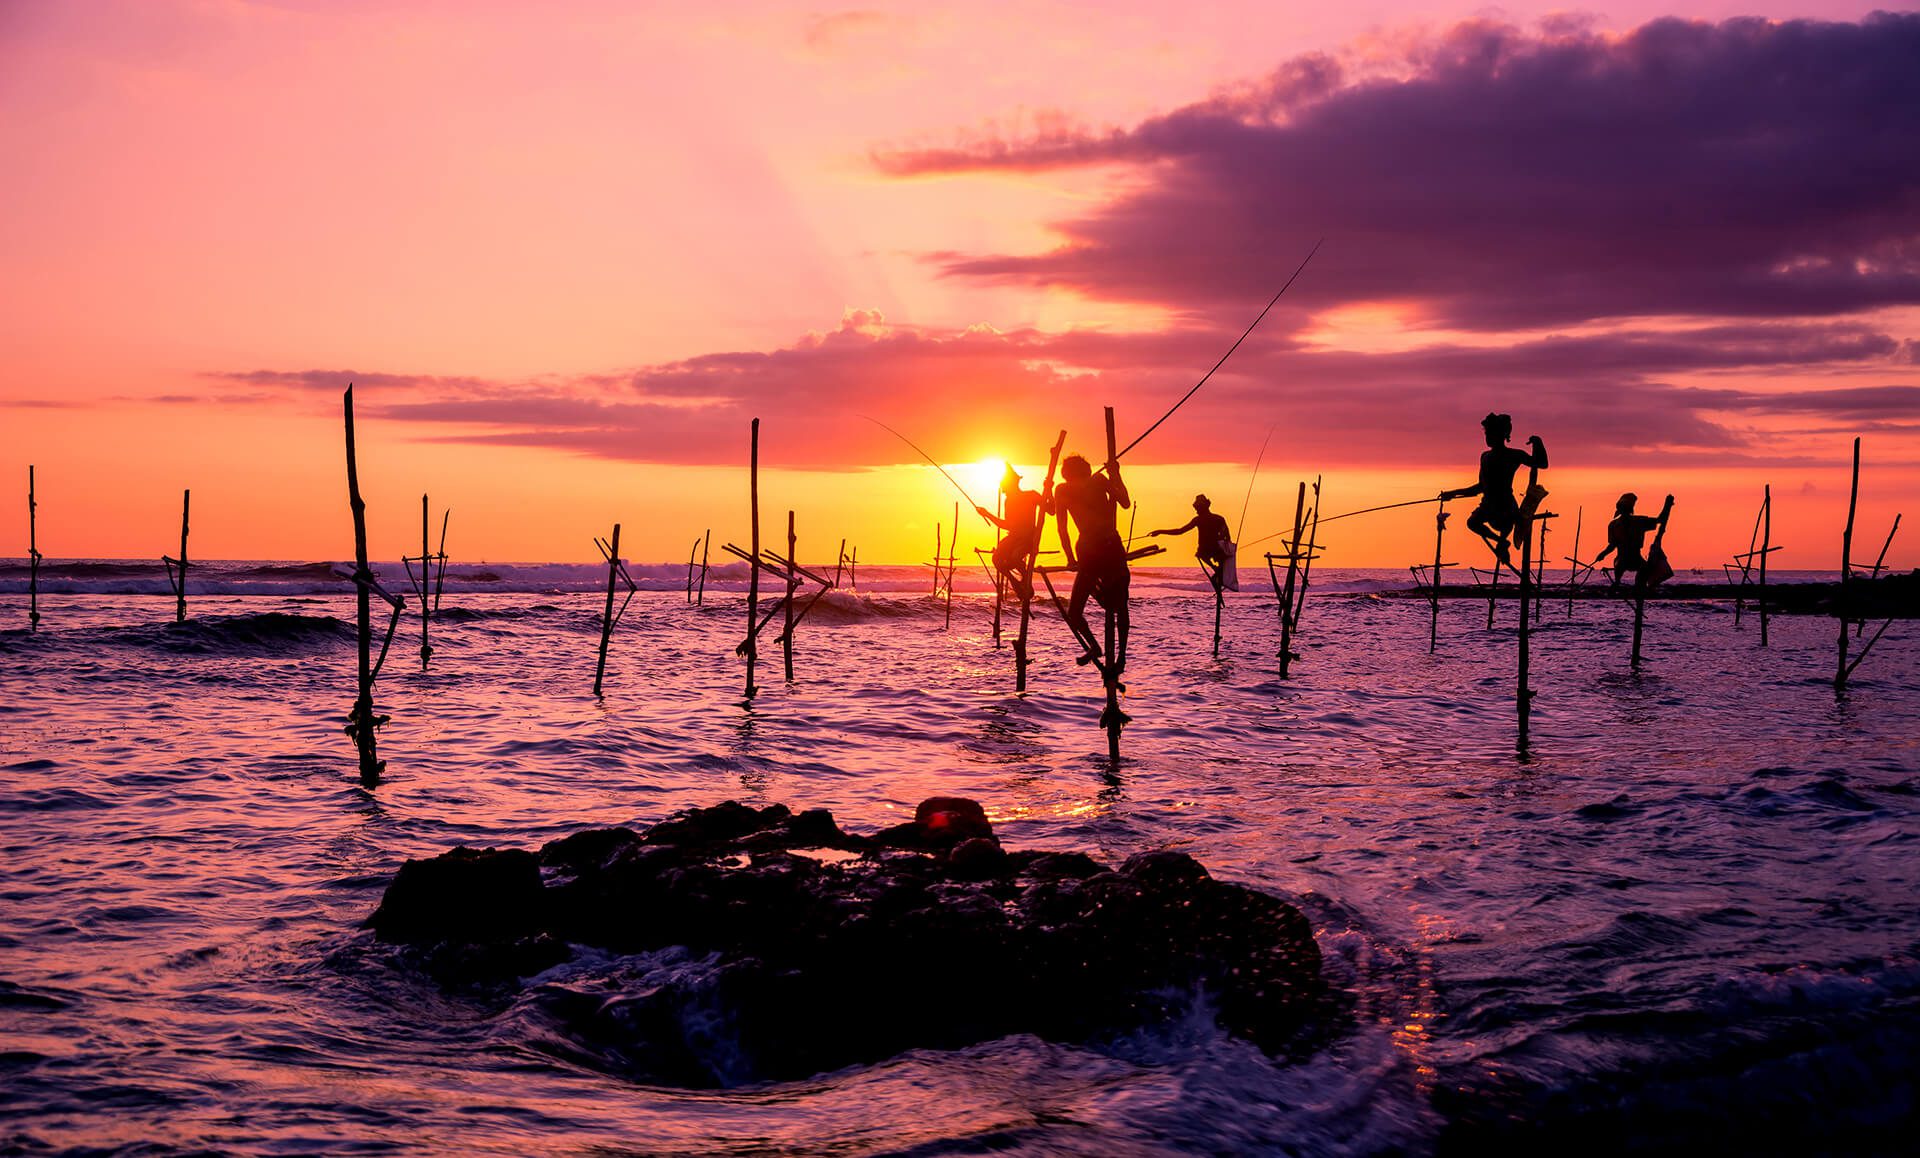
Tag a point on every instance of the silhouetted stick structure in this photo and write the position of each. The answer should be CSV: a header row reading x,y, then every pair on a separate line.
x,y
609,619
1313,547
1878,564
1523,687
440,572
1031,565
1540,563
432,577
362,723
177,568
697,589
33,555
1843,605
1439,537
1284,595
793,583
1573,560
1641,584
751,648
1766,548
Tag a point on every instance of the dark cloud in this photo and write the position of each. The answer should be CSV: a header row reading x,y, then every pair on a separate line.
x,y
1498,179
963,392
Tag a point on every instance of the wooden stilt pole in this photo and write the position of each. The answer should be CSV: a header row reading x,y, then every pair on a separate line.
x,y
839,562
1573,560
1493,592
1293,568
1523,691
700,589
1841,605
1439,536
1879,563
953,564
937,530
1219,577
1020,660
1540,576
1313,545
999,580
753,570
426,562
793,582
1766,547
362,724
606,617
1640,584
33,555
692,550
440,563
1114,663
177,568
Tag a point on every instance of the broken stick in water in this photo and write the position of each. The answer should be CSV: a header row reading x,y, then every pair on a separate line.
x,y
616,570
177,568
362,723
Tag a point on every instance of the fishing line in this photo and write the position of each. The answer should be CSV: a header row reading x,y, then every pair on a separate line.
x,y
1225,356
1349,515
1248,501
929,458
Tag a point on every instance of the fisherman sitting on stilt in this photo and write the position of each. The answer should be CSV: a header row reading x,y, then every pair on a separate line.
x,y
1626,535
1216,541
1014,553
1494,519
1100,569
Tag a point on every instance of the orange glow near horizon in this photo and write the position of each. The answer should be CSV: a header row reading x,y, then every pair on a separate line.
x,y
548,241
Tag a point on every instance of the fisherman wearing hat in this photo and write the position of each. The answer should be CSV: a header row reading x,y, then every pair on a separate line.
x,y
1014,553
1626,534
1216,542
1493,520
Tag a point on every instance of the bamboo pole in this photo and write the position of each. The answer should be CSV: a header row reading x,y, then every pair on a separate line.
x,y
362,723
1540,575
177,568
839,561
753,569
1218,575
1640,584
1846,566
33,555
793,582
1493,592
1439,537
692,550
1766,546
612,551
999,580
937,529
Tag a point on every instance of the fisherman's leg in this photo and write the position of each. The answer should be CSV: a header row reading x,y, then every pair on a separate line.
x,y
1084,582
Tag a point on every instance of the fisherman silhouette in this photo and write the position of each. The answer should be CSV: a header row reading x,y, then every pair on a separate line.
x,y
1625,536
1493,520
1013,554
1100,570
1215,539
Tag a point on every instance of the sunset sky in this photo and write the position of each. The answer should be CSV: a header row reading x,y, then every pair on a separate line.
x,y
567,251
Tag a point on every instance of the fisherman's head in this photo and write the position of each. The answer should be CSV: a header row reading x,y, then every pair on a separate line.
x,y
1010,481
1499,428
1625,505
1201,504
1075,468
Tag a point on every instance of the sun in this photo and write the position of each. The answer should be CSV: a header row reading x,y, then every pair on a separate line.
x,y
981,479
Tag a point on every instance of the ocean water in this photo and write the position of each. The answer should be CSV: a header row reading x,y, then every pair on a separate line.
x,y
1685,919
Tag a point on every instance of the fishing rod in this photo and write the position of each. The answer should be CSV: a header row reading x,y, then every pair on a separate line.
x,y
1223,358
1248,501
1349,515
923,454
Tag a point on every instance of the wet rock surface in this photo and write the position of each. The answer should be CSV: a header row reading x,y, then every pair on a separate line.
x,y
817,948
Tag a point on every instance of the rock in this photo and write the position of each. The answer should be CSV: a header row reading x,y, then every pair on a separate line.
x,y
472,895
769,963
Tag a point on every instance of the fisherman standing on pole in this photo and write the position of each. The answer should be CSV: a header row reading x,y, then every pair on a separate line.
x,y
1494,519
1022,526
1093,502
1216,541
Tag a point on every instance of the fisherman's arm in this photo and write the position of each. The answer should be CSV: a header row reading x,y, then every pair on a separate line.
x,y
1462,492
1189,525
990,517
1117,486
1538,459
1066,544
